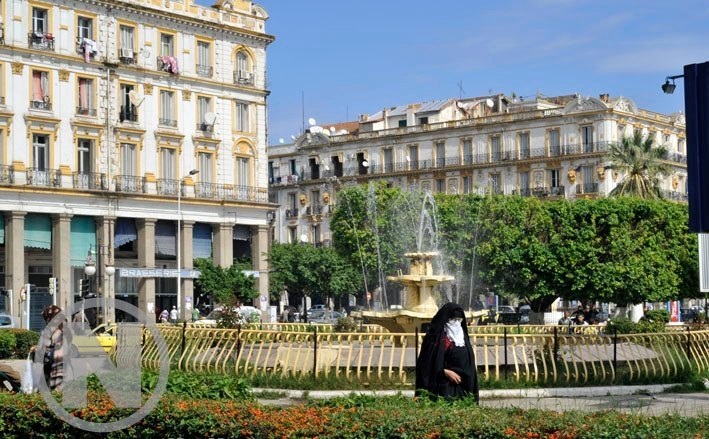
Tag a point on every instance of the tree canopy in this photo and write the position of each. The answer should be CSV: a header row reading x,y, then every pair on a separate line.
x,y
226,285
640,163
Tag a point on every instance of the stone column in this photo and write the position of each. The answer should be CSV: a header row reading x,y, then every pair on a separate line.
x,y
146,259
259,253
61,259
104,234
15,260
223,244
187,298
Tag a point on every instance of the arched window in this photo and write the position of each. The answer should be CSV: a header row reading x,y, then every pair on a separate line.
x,y
242,69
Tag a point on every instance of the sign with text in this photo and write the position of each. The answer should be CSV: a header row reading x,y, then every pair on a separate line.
x,y
158,272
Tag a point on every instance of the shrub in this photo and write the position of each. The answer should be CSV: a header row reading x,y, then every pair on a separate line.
x,y
624,325
8,342
658,315
25,340
345,324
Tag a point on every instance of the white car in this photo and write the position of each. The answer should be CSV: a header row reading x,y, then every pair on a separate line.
x,y
7,322
247,311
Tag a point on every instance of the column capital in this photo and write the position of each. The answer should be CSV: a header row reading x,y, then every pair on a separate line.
x,y
62,216
16,214
146,221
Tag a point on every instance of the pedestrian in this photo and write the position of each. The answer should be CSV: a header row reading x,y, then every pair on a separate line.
x,y
195,314
173,314
565,320
164,315
52,343
445,366
580,320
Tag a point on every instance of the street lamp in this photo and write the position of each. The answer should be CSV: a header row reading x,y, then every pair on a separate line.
x,y
179,242
91,268
669,87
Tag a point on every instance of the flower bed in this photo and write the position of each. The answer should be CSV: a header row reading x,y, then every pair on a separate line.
x,y
346,418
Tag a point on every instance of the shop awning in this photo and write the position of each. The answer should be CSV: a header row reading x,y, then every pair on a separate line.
x,y
38,231
202,241
83,237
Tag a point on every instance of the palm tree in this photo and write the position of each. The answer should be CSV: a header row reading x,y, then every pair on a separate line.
x,y
641,165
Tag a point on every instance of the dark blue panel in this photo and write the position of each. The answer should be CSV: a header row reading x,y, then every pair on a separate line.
x,y
696,101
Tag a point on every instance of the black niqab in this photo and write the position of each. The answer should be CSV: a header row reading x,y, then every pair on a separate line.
x,y
434,357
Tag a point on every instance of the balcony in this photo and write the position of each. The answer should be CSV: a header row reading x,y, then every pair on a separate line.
x,y
201,126
168,186
2,100
292,213
676,157
587,188
126,56
44,104
42,177
128,114
540,191
83,111
204,71
172,123
674,195
168,64
40,41
313,210
129,184
243,77
231,192
86,48
6,174
90,180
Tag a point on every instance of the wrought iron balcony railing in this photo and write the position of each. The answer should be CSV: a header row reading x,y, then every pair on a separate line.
x,y
42,177
40,41
83,111
90,180
43,104
167,122
587,188
204,71
244,77
129,183
231,192
167,186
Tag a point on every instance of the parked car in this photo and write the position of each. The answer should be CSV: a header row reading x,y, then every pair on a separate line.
x,y
324,316
688,315
315,308
249,312
7,322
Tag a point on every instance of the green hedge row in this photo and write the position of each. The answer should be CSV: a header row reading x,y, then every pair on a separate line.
x,y
345,418
16,343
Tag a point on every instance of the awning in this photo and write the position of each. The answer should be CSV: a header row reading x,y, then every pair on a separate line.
x,y
38,231
242,233
165,238
202,241
125,232
83,237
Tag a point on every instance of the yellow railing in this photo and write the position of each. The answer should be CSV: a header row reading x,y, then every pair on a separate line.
x,y
543,358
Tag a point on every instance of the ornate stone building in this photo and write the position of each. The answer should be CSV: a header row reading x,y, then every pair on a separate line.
x,y
114,117
549,147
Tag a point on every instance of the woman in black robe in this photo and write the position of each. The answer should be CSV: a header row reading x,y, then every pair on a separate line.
x,y
446,366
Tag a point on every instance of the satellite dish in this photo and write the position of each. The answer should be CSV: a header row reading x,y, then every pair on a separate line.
x,y
327,168
292,137
332,130
303,238
408,159
281,140
489,103
210,118
311,121
135,98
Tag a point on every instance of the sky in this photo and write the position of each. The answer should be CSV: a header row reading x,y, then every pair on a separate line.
x,y
339,59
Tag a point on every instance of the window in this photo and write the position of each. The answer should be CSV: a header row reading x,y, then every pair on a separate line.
x,y
204,59
494,184
40,90
40,21
524,183
523,139
467,151
167,46
621,132
681,146
86,105
314,201
402,123
85,28
388,160
555,178
83,159
40,152
292,235
128,110
168,163
423,121
129,160
243,74
127,50
441,185
292,166
495,155
554,142
204,106
167,108
440,154
467,184
241,116
587,175
243,171
204,165
291,201
587,138
316,235
413,157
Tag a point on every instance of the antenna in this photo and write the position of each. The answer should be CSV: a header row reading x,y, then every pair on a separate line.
x,y
210,118
135,98
460,89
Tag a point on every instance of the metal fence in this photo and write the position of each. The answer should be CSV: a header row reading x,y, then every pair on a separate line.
x,y
538,356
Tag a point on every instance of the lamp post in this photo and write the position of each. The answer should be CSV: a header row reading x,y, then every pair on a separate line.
x,y
92,268
179,242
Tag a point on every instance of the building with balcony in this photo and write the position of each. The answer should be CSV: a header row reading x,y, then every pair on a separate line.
x,y
107,110
548,147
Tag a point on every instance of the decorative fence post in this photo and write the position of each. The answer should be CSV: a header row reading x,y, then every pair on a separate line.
x,y
556,343
504,338
184,330
315,350
615,350
689,345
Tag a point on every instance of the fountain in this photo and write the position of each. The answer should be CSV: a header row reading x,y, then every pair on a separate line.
x,y
419,301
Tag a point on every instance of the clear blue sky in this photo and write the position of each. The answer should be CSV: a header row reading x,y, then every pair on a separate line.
x,y
354,57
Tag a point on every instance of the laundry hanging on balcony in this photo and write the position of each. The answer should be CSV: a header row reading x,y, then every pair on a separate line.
x,y
169,64
89,48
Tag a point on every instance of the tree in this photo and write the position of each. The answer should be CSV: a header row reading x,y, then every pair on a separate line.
x,y
305,270
641,164
226,285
